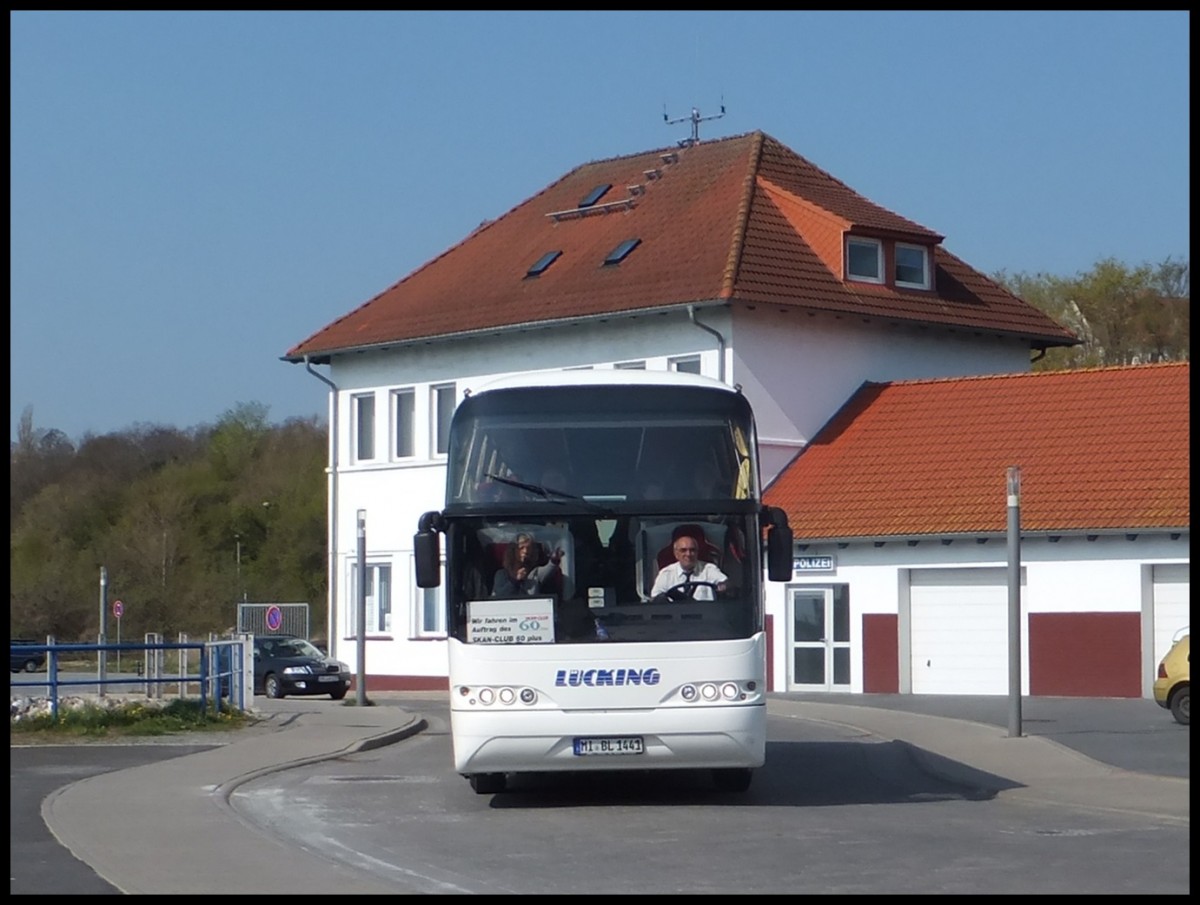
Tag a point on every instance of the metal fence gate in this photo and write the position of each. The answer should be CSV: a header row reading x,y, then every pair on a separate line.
x,y
273,619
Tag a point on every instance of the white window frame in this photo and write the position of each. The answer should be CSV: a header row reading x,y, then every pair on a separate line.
x,y
921,250
867,245
428,611
440,394
404,423
686,364
363,435
380,611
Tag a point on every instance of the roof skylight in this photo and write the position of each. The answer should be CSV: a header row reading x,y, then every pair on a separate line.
x,y
618,254
542,263
595,195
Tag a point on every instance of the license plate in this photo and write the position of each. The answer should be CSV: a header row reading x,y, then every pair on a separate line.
x,y
624,744
328,678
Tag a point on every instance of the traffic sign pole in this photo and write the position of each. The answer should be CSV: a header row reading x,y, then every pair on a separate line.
x,y
118,610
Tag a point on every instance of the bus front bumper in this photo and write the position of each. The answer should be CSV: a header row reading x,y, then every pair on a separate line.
x,y
671,738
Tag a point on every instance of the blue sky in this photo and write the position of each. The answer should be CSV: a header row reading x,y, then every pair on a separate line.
x,y
193,193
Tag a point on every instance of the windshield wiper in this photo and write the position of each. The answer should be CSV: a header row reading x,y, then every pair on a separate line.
x,y
549,493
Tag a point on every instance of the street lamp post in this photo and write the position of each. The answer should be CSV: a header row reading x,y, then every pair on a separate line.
x,y
238,541
361,618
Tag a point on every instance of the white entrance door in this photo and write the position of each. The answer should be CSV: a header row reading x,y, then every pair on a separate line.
x,y
818,639
959,631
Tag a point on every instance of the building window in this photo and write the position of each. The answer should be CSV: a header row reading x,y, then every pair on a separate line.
x,y
630,366
429,610
864,260
912,266
403,411
378,598
688,364
443,411
364,427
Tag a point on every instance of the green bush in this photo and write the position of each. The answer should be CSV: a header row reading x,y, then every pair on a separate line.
x,y
129,718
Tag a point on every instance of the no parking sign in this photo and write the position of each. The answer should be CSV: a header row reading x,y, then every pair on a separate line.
x,y
274,618
118,608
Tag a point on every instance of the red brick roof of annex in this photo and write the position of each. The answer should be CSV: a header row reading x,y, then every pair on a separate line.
x,y
1100,449
735,221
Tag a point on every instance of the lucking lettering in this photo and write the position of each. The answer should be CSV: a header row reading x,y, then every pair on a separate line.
x,y
607,677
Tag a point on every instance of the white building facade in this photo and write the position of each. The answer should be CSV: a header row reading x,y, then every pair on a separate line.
x,y
390,409
1097,614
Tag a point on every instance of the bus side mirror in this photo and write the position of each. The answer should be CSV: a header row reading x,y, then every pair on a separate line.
x,y
427,553
779,545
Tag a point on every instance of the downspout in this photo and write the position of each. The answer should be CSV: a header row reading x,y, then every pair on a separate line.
x,y
331,617
691,309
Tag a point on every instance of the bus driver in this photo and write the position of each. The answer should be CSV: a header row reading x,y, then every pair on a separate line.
x,y
688,568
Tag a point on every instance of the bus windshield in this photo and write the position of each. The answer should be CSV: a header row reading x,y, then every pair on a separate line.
x,y
603,445
587,578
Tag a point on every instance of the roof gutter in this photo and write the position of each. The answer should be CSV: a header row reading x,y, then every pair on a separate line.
x,y
331,609
323,357
691,309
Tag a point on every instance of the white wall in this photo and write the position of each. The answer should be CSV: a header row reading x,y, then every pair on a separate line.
x,y
1072,575
798,370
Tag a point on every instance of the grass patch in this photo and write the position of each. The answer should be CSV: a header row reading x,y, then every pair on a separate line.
x,y
93,721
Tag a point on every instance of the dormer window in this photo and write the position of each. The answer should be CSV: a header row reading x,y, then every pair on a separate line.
x,y
899,264
912,266
864,259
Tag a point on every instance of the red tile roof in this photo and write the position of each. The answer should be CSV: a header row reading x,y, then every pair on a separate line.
x,y
736,221
1104,449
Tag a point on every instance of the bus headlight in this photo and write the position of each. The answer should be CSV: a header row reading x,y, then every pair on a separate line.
x,y
528,696
718,691
507,695
486,696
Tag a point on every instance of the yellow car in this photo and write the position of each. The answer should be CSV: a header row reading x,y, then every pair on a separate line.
x,y
1171,685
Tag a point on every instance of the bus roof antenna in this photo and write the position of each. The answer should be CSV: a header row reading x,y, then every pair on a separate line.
x,y
696,119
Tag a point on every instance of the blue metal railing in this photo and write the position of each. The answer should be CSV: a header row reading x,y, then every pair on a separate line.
x,y
224,670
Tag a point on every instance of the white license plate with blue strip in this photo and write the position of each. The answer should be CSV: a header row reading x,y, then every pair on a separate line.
x,y
615,744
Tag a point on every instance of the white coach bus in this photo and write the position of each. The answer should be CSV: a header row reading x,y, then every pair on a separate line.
x,y
604,543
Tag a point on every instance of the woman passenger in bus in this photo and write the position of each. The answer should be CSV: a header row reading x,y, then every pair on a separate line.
x,y
522,573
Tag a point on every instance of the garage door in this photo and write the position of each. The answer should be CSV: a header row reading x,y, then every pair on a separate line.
x,y
959,631
1171,611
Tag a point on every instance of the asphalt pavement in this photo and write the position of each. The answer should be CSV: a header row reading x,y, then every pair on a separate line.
x,y
1064,755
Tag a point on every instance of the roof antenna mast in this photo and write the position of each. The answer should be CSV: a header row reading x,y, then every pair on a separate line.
x,y
696,119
